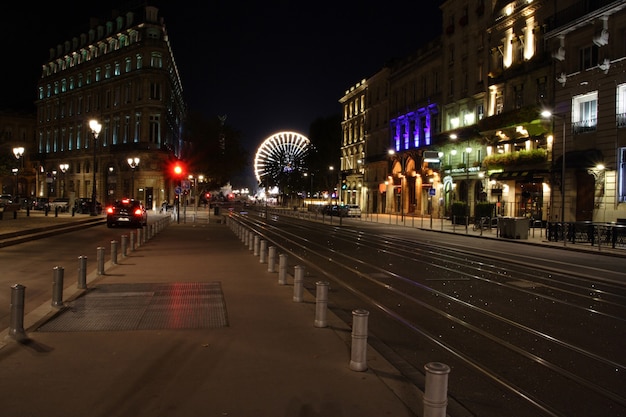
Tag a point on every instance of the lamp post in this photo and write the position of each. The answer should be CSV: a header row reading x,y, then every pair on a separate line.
x,y
548,114
63,168
132,162
18,152
468,150
95,127
332,173
402,177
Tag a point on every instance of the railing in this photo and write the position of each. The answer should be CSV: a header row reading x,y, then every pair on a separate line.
x,y
594,233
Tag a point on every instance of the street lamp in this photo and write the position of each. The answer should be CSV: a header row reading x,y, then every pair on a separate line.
x,y
63,168
95,127
132,162
468,150
18,152
548,114
402,176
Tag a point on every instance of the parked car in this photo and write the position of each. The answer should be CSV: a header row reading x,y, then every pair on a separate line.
x,y
5,199
40,203
336,210
353,210
127,212
84,206
62,203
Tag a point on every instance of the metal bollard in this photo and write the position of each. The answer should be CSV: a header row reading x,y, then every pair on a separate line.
x,y
100,258
251,238
138,240
132,241
16,328
257,240
263,251
436,389
124,246
358,355
271,259
282,269
321,304
298,283
144,234
114,252
57,286
82,272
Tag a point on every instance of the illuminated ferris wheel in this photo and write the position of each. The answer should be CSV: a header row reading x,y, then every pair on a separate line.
x,y
279,155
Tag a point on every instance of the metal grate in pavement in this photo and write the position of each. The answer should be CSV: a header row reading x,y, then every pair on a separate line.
x,y
110,307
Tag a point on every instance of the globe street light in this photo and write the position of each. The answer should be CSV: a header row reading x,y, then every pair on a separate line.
x,y
95,127
18,152
132,162
63,168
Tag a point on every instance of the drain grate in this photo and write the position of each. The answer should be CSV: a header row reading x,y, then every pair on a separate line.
x,y
111,307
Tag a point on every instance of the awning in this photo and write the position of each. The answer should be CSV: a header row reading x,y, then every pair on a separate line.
x,y
519,176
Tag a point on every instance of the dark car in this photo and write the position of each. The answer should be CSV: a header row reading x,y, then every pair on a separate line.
x,y
127,212
40,203
84,206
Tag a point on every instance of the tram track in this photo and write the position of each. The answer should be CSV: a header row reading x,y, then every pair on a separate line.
x,y
425,308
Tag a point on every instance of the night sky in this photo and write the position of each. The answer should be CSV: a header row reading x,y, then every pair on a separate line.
x,y
267,65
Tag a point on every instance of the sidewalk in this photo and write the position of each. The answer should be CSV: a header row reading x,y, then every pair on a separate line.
x,y
269,360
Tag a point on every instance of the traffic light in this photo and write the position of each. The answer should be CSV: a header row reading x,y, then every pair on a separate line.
x,y
178,169
207,195
344,185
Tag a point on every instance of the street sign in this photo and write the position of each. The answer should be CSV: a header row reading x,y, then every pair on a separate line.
x,y
178,190
186,184
432,191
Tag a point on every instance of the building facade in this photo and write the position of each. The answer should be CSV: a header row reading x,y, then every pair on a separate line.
x,y
121,73
519,107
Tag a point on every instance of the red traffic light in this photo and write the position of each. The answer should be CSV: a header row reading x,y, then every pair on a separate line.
x,y
178,169
208,195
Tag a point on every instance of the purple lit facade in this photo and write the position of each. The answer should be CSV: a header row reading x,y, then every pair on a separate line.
x,y
414,129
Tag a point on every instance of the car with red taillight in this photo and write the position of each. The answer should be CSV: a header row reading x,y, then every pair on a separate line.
x,y
127,212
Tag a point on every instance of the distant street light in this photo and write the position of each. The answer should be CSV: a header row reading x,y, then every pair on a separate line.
x,y
132,162
63,168
95,127
18,152
548,114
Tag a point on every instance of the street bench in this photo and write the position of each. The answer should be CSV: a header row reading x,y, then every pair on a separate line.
x,y
9,208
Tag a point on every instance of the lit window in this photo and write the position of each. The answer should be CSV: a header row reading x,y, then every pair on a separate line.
x,y
585,112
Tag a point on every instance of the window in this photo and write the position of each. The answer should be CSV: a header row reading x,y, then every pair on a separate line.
x,y
499,102
156,60
155,91
137,127
584,112
622,175
542,90
519,96
621,105
588,57
154,129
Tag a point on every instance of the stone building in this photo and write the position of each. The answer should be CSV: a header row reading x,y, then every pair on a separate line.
x,y
120,72
499,66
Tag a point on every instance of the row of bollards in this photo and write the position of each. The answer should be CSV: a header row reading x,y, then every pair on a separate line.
x,y
436,385
16,327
